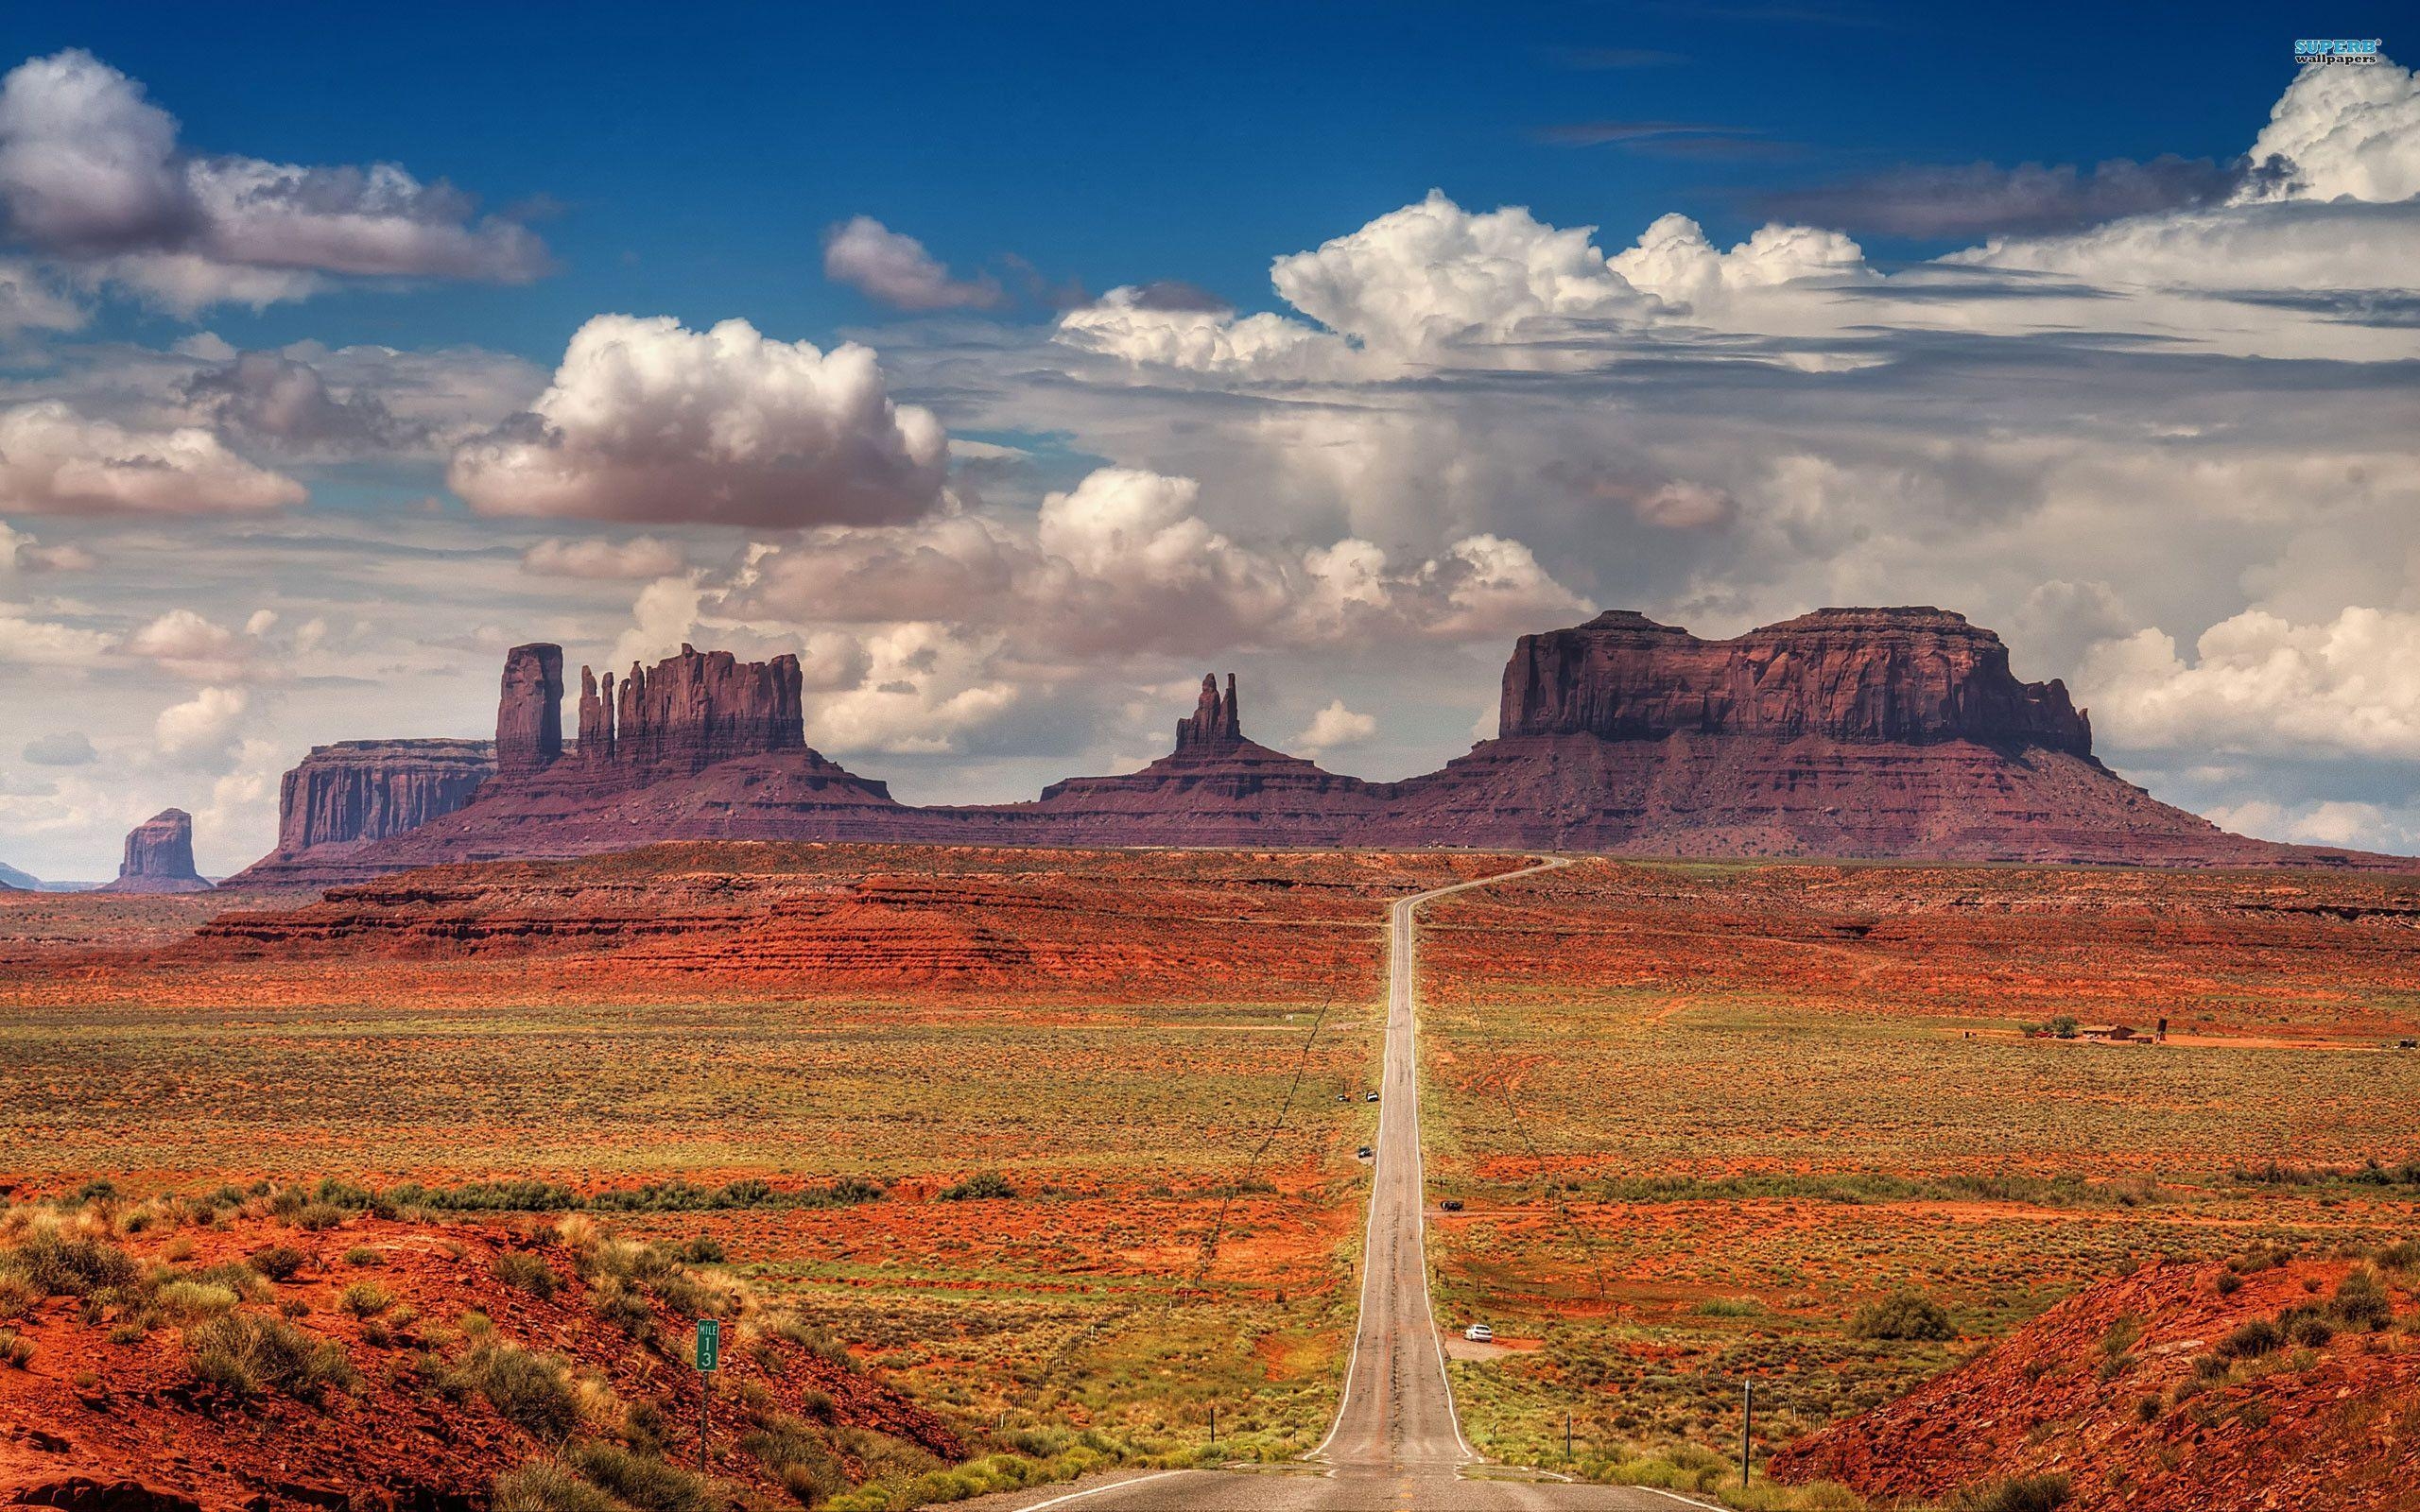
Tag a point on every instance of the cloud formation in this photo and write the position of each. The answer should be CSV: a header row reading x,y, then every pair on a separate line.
x,y
639,556
895,269
54,461
1335,727
92,174
648,421
2261,684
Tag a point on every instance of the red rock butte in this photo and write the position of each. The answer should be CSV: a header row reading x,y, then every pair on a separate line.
x,y
1872,733
158,857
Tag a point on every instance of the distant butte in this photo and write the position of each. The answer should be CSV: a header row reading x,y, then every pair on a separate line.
x,y
1851,734
158,857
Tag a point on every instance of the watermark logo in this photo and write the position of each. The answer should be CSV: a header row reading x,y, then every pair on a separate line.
x,y
2357,50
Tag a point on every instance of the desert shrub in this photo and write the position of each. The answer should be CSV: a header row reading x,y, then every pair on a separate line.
x,y
984,1186
189,1300
246,1354
622,1306
2252,1340
648,1485
518,1267
318,1217
703,1251
17,1294
1904,1314
542,1485
532,1392
1731,1307
2065,1025
2229,1283
2306,1325
58,1265
803,1462
279,1263
363,1254
16,1350
2362,1302
365,1299
2026,1493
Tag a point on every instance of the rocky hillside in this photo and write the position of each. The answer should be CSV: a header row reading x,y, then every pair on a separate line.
x,y
2270,1382
319,1347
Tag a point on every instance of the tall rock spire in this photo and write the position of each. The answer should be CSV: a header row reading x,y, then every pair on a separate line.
x,y
530,714
1213,723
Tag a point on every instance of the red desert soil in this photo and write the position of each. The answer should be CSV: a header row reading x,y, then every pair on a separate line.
x,y
110,1393
790,919
2132,1390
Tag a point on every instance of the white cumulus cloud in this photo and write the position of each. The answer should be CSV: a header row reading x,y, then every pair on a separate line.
x,y
895,269
1334,728
647,420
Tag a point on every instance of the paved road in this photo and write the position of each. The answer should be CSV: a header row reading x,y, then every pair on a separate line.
x,y
1396,1442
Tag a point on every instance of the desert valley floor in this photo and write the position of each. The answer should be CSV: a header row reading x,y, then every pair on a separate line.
x,y
1010,1165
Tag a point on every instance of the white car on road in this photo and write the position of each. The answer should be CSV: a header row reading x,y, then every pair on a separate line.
x,y
1480,1333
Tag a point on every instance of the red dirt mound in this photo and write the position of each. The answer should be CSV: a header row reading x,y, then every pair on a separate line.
x,y
108,1402
2162,1392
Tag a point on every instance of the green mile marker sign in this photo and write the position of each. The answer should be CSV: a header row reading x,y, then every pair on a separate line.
x,y
709,1344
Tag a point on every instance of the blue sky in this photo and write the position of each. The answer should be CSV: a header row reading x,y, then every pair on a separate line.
x,y
1087,349
696,152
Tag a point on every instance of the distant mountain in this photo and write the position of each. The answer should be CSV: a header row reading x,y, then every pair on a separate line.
x,y
1882,734
11,877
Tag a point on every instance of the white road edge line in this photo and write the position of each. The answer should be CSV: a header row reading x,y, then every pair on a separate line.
x,y
1113,1485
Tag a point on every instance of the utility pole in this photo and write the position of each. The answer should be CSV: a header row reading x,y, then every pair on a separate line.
x,y
1747,1425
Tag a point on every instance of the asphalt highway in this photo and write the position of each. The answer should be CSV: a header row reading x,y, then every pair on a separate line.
x,y
1397,1443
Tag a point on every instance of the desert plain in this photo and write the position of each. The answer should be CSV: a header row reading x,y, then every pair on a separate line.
x,y
1008,1166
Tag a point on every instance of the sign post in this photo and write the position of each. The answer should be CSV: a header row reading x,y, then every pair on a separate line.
x,y
709,1361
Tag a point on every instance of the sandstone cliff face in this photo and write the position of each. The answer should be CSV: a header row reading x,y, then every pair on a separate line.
x,y
1903,675
158,857
688,713
359,790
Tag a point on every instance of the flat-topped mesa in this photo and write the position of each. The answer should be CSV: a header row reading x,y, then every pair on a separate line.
x,y
529,712
358,790
1213,725
158,857
688,713
1913,675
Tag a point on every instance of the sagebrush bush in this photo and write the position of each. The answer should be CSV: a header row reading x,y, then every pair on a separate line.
x,y
2252,1340
533,1392
58,1265
247,1354
16,1350
648,1485
518,1267
542,1485
187,1302
984,1186
2362,1302
279,1263
365,1299
1904,1314
2026,1493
